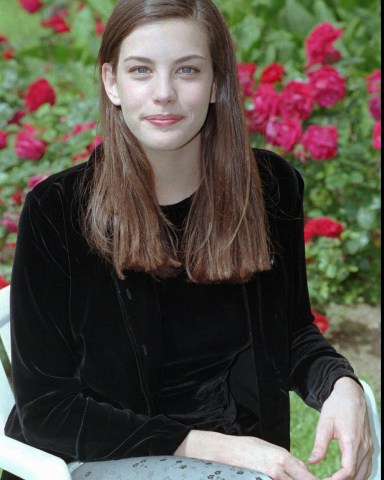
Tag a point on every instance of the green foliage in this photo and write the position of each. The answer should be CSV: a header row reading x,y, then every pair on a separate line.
x,y
345,188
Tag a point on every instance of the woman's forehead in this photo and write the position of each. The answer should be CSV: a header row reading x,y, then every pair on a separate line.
x,y
167,38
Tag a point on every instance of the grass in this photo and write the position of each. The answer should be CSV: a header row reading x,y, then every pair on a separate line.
x,y
303,426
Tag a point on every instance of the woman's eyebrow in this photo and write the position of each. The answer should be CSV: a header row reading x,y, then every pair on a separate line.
x,y
186,58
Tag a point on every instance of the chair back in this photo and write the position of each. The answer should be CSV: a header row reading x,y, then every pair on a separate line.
x,y
6,396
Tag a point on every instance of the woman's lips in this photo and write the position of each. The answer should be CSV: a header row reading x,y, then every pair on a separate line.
x,y
164,120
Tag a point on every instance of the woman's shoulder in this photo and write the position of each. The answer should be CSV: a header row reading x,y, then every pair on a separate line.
x,y
63,182
273,165
282,183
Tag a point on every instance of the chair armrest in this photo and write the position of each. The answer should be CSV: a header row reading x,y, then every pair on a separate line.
x,y
30,463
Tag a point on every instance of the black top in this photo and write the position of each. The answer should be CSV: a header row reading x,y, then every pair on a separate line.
x,y
204,327
87,355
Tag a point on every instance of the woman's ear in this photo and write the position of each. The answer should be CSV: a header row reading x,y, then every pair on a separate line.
x,y
110,86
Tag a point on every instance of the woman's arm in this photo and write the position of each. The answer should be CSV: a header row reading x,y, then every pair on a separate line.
x,y
245,452
56,409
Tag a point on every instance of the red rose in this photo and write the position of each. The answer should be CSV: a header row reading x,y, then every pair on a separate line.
x,y
246,73
3,282
18,115
8,54
31,6
57,22
273,73
38,93
328,86
10,222
319,44
374,82
375,107
321,141
97,140
27,146
79,128
265,105
284,133
99,26
322,227
3,139
376,136
17,197
320,321
296,100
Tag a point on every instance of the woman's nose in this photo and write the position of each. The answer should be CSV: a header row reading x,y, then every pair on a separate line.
x,y
164,90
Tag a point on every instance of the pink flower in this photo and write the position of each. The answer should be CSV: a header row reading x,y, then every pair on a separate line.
x,y
17,197
8,54
97,140
296,100
35,179
57,22
284,133
10,222
3,139
31,6
375,107
376,136
319,44
81,156
273,73
374,82
38,93
328,86
265,105
322,227
321,141
99,27
246,74
79,128
320,321
18,115
27,146
3,282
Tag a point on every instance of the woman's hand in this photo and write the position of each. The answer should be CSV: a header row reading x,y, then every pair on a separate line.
x,y
245,452
344,417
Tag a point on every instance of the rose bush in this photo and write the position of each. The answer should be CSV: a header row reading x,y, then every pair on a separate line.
x,y
330,91
311,79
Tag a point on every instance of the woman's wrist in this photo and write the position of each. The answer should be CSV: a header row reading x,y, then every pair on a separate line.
x,y
203,445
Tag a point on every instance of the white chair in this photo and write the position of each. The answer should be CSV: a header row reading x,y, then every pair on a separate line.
x,y
31,463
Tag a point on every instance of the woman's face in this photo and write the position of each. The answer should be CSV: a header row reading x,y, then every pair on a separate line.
x,y
163,83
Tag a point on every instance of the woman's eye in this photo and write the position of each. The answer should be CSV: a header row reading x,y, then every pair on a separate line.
x,y
141,70
187,70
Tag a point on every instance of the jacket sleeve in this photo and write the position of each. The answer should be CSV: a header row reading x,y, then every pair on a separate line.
x,y
54,409
315,364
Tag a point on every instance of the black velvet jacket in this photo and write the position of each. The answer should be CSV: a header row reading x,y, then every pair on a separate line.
x,y
86,346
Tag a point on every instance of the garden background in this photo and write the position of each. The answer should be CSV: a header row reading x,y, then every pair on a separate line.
x,y
311,77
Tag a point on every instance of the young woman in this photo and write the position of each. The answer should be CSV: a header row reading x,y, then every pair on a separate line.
x,y
159,297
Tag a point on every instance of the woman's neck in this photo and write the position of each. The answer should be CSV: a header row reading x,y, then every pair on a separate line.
x,y
177,173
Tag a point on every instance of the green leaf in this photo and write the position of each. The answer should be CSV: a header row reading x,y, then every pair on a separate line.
x,y
296,18
104,7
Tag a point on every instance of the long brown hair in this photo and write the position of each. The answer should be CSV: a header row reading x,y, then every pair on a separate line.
x,y
226,236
